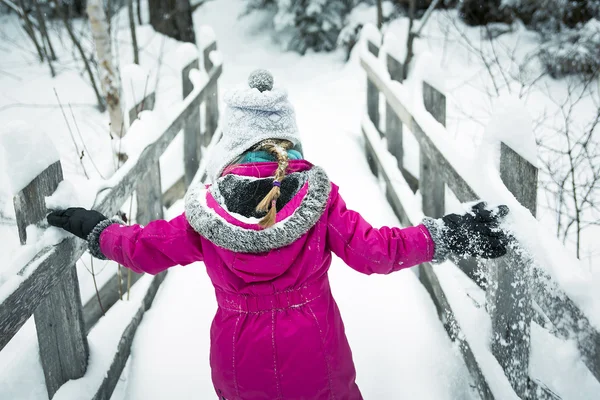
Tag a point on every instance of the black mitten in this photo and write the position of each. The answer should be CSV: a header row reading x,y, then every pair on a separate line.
x,y
476,233
78,221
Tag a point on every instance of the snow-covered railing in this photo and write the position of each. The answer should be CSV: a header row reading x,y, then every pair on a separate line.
x,y
532,292
46,285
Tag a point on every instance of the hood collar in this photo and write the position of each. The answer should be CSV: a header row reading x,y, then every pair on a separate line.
x,y
204,207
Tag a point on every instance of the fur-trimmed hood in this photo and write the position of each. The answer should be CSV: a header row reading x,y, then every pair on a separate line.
x,y
224,212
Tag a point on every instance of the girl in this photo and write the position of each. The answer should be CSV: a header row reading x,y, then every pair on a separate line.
x,y
265,230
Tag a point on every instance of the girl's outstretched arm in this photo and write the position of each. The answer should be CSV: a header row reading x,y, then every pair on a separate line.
x,y
370,250
157,246
476,233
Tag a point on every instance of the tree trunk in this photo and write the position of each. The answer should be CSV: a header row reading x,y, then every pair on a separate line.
x,y
109,77
173,18
379,14
136,51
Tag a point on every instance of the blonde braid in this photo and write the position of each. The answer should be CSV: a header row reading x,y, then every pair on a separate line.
x,y
279,149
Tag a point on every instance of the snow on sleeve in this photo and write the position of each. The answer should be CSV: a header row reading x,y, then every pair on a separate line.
x,y
512,125
26,152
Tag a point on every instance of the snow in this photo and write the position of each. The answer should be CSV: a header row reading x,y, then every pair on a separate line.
x,y
371,33
25,151
409,355
511,124
103,341
144,131
136,85
394,46
186,53
547,252
206,36
75,192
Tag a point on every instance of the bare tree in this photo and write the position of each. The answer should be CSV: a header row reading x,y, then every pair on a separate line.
x,y
109,77
86,62
567,135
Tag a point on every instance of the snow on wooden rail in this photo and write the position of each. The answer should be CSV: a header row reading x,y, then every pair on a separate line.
x,y
47,285
534,282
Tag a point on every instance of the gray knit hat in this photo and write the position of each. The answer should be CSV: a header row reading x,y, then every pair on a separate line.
x,y
253,114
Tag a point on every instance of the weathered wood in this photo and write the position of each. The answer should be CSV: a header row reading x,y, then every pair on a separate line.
x,y
146,104
120,359
433,190
393,124
434,102
509,280
430,281
58,317
519,177
109,295
568,320
371,158
192,141
149,196
212,97
61,333
28,207
174,193
373,92
455,182
508,302
43,272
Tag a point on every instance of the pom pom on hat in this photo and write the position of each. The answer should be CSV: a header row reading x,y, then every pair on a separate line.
x,y
261,79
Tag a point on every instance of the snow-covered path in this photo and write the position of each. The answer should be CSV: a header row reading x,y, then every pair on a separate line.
x,y
400,348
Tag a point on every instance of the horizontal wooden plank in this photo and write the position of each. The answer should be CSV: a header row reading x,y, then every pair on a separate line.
x,y
174,193
454,181
428,277
41,276
109,295
431,283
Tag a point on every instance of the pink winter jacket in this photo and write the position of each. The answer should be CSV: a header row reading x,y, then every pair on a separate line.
x,y
277,333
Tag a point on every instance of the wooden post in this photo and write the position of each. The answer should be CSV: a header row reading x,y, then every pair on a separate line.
x,y
148,190
372,91
431,184
509,279
212,97
59,317
192,146
393,124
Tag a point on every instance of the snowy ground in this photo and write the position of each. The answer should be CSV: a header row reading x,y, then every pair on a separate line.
x,y
400,348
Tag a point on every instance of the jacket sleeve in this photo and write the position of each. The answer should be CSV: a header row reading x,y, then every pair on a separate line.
x,y
374,250
157,246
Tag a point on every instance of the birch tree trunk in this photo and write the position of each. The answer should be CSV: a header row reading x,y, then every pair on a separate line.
x,y
108,75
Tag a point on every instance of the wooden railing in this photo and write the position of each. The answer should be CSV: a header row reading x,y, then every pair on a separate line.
x,y
515,291
47,286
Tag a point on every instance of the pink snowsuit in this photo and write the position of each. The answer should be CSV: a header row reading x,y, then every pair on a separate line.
x,y
277,333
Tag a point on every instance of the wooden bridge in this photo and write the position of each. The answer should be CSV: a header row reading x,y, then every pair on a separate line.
x,y
517,291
